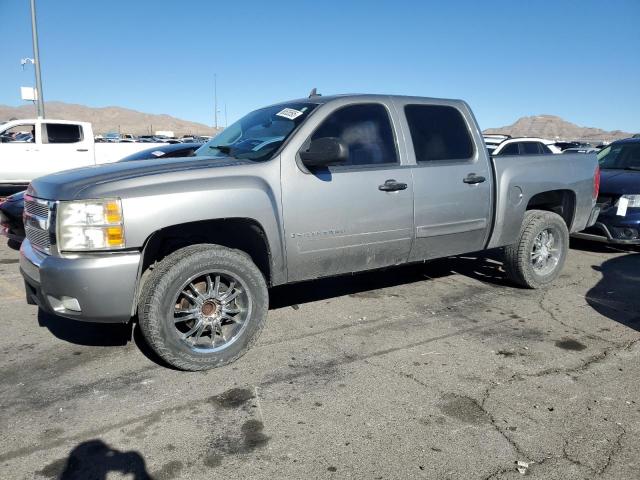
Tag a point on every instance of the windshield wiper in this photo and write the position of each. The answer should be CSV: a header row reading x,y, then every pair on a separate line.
x,y
222,148
632,167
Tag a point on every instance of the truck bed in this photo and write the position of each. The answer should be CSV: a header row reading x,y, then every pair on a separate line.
x,y
517,179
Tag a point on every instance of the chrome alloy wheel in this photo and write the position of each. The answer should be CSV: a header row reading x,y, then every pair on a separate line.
x,y
546,251
211,311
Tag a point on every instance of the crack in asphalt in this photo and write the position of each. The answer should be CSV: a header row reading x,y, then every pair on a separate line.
x,y
617,446
594,359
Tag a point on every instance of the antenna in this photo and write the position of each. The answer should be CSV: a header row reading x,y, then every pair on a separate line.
x,y
314,93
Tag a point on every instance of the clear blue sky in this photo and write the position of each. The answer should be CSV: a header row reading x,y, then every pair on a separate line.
x,y
579,59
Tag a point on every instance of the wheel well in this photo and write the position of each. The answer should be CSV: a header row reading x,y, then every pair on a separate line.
x,y
562,202
242,234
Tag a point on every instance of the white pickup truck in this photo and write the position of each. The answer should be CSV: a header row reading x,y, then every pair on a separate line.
x,y
37,147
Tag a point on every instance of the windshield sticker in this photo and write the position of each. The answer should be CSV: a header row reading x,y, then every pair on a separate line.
x,y
157,153
289,113
623,203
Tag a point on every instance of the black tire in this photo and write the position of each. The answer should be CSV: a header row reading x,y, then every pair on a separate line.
x,y
14,244
156,308
518,257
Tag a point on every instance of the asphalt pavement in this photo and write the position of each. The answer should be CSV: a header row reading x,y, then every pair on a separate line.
x,y
438,371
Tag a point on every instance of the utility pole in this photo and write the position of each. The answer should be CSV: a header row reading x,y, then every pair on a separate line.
x,y
215,99
226,124
36,57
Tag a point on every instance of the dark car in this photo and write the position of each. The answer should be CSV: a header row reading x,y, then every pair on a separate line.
x,y
168,150
11,209
564,145
619,197
11,224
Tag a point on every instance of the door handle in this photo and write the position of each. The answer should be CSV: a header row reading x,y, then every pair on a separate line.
x,y
472,179
391,186
82,150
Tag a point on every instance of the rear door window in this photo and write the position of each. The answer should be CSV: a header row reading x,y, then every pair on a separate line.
x,y
530,148
438,132
61,133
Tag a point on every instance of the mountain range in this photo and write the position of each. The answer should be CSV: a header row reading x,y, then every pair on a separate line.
x,y
124,120
110,119
553,127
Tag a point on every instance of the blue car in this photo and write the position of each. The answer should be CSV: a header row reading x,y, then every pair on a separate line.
x,y
619,197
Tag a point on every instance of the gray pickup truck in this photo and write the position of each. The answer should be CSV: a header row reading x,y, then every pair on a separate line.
x,y
296,191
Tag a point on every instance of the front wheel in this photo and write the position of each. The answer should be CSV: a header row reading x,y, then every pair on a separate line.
x,y
203,306
539,255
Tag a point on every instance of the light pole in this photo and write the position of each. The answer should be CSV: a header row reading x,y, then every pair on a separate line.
x,y
215,100
36,58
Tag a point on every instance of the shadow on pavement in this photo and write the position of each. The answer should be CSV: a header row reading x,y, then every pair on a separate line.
x,y
616,295
95,460
86,333
485,268
598,247
99,334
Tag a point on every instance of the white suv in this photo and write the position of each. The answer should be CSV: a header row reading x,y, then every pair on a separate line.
x,y
523,146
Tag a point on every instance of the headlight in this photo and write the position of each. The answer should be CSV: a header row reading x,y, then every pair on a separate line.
x,y
634,200
90,225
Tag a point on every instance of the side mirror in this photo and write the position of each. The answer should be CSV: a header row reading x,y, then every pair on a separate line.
x,y
323,152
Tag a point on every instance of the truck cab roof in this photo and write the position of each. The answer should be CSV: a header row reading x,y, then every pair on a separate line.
x,y
320,99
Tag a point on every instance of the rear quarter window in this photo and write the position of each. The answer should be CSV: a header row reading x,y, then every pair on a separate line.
x,y
62,133
438,132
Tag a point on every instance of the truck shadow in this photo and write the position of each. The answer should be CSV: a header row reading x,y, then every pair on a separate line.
x,y
615,296
485,267
86,333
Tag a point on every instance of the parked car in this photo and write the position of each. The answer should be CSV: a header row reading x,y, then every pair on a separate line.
x,y
525,146
11,224
581,150
59,145
112,137
296,191
166,150
619,199
492,140
562,146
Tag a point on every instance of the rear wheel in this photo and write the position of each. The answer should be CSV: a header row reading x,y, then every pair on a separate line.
x,y
539,255
203,306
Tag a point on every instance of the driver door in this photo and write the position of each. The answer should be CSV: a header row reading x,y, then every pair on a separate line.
x,y
338,219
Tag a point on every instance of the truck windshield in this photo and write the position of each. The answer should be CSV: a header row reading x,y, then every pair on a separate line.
x,y
259,134
624,156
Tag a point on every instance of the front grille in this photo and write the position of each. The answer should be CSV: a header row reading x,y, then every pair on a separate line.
x,y
36,223
37,208
38,238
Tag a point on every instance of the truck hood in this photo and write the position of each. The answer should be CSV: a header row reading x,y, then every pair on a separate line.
x,y
620,182
68,184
